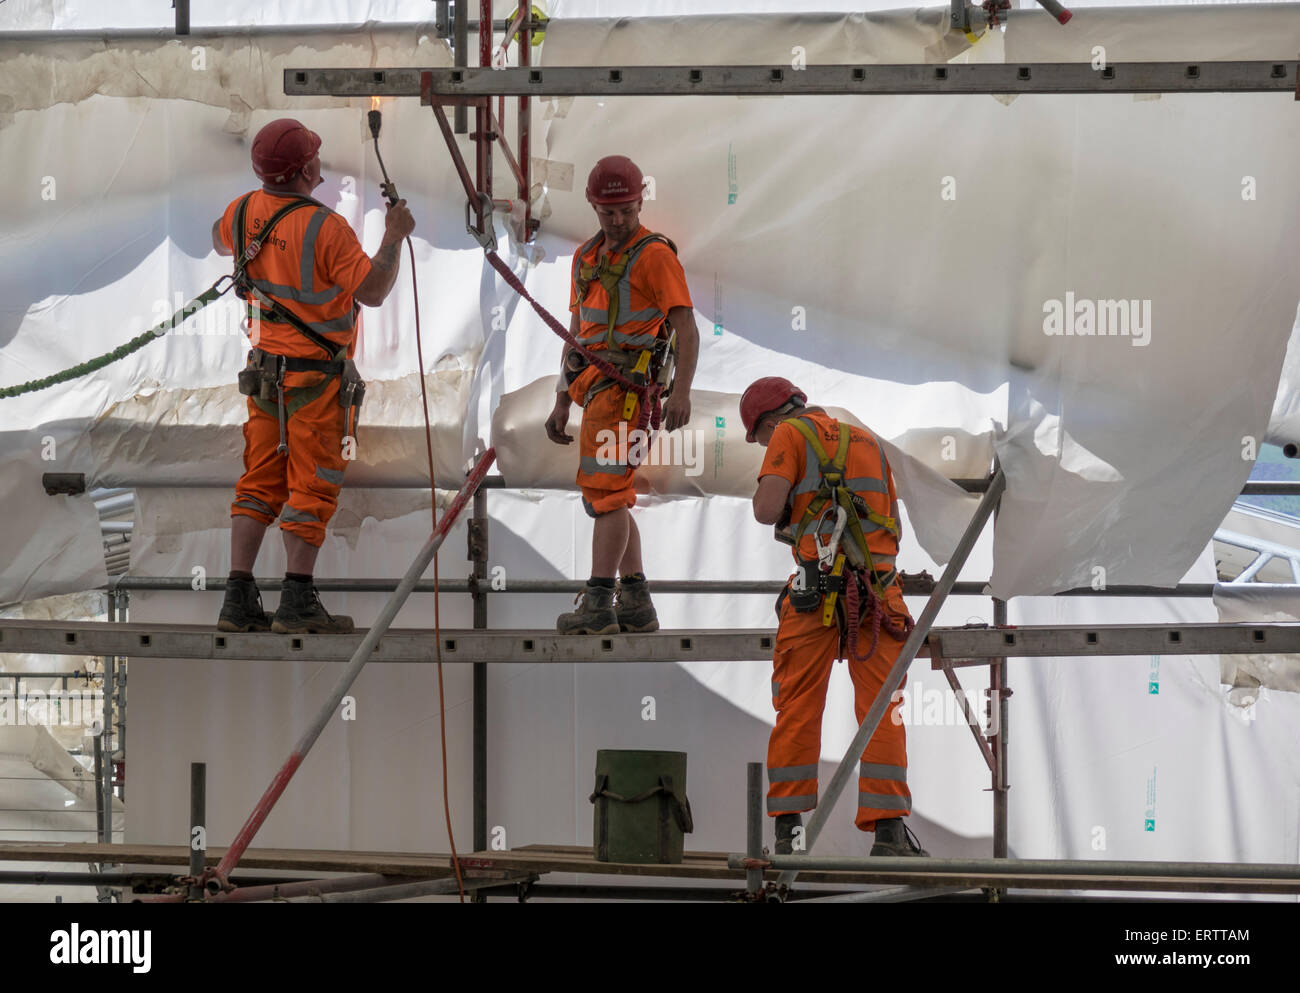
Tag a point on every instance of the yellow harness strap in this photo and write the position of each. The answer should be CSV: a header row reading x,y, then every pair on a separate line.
x,y
833,490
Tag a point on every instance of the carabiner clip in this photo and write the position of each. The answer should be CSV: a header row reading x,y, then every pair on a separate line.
x,y
826,553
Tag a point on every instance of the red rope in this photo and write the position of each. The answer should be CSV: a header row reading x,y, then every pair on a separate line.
x,y
437,594
651,409
852,620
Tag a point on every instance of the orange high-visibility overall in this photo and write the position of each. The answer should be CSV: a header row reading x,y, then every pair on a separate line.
x,y
806,648
652,285
311,264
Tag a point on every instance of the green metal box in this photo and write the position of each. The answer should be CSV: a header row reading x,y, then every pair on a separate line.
x,y
641,811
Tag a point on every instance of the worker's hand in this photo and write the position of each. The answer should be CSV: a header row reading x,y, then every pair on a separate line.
x,y
398,221
559,420
677,410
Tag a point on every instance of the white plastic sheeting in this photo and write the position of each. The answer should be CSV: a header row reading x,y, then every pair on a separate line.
x,y
1246,673
1145,757
922,316
1103,432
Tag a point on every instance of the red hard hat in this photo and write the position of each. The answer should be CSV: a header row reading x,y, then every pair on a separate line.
x,y
615,179
764,396
282,148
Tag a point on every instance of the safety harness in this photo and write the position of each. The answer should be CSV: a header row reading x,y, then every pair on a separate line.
x,y
263,378
842,567
640,367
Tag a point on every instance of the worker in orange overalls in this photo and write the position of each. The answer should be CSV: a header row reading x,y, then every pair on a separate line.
x,y
828,488
628,299
305,279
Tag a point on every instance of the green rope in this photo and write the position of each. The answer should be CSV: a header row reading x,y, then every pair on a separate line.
x,y
122,351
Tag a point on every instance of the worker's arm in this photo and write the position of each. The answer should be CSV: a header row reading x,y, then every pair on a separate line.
x,y
677,409
217,243
384,264
559,417
769,499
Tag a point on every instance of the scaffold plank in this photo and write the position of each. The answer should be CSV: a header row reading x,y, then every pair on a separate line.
x,y
541,859
843,80
956,645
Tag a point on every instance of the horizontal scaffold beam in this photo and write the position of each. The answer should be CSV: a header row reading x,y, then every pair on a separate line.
x,y
1119,639
954,645
195,641
814,80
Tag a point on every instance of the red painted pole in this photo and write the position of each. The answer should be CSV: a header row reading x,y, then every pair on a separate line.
x,y
483,121
523,140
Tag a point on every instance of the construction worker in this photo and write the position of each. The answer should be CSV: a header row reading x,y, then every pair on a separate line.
x,y
828,488
628,298
306,278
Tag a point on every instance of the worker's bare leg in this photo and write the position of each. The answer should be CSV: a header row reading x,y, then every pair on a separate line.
x,y
631,561
300,556
246,535
634,608
610,540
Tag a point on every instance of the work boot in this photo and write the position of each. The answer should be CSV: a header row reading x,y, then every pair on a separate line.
x,y
301,612
634,609
893,837
242,609
785,825
596,615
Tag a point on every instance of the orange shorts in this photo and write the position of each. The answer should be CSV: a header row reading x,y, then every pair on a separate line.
x,y
300,488
606,443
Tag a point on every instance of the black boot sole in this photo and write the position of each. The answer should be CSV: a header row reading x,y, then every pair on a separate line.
x,y
891,852
607,629
306,627
642,629
224,625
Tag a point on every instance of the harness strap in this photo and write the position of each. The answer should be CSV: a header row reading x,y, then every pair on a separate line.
x,y
245,253
610,274
649,393
833,490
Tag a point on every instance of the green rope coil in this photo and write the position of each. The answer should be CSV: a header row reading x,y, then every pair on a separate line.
x,y
122,351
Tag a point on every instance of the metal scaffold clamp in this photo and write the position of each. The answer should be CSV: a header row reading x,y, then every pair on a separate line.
x,y
487,238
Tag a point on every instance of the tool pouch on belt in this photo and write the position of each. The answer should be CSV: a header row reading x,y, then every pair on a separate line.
x,y
250,378
259,375
809,587
806,588
352,388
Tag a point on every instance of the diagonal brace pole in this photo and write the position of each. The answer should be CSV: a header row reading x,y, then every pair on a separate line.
x,y
359,658
926,621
